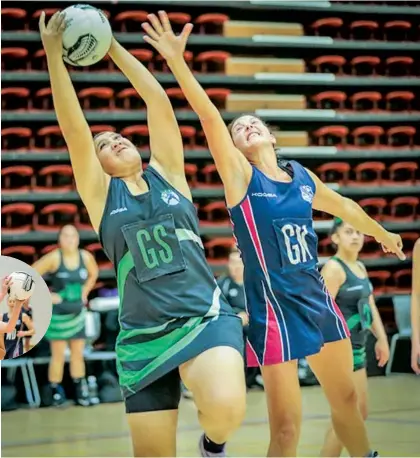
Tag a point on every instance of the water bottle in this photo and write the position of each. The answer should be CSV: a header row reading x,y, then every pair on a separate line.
x,y
93,390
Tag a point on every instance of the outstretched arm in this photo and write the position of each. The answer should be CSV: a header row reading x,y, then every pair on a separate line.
x,y
5,328
331,202
165,138
91,181
229,161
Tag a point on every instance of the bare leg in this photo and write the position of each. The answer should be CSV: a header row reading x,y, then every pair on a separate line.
x,y
77,360
56,366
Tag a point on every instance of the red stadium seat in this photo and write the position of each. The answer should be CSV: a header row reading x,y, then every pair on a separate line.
x,y
43,99
177,98
218,96
218,249
374,207
409,239
178,20
129,99
334,172
16,218
15,98
369,174
401,136
16,138
191,174
97,98
371,249
83,223
404,209
402,280
363,30
368,136
403,173
329,64
365,65
14,59
39,60
211,177
397,30
211,23
138,135
13,19
16,178
326,247
145,56
50,138
130,21
331,100
25,253
329,27
214,214
212,61
98,253
399,66
399,100
188,134
52,217
332,136
54,178
48,248
368,100
379,281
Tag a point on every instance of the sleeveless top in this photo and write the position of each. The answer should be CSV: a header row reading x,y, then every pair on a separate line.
x,y
353,300
154,243
13,344
69,284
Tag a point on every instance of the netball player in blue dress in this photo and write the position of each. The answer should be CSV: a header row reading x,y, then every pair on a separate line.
x,y
292,315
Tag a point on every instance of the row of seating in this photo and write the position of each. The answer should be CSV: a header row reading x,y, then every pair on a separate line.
x,y
59,177
50,137
394,30
106,98
215,61
25,217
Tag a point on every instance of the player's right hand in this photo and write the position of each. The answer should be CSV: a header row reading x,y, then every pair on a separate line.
x,y
415,357
392,243
51,34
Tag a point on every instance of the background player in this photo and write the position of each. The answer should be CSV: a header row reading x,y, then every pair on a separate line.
x,y
278,245
348,283
415,310
73,273
172,314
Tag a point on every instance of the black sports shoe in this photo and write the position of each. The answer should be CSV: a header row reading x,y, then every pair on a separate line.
x,y
82,393
58,395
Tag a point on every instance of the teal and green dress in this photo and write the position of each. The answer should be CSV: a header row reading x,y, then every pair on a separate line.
x,y
68,317
353,300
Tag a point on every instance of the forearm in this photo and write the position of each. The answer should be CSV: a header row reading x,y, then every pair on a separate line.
x,y
194,93
66,104
13,319
415,317
139,76
89,284
28,333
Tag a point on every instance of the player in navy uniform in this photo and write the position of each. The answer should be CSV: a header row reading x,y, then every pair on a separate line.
x,y
415,309
175,323
291,313
348,283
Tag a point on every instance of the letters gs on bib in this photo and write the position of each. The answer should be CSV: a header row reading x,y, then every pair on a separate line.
x,y
297,243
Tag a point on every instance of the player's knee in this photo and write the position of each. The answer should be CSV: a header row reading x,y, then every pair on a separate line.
x,y
227,409
286,432
345,399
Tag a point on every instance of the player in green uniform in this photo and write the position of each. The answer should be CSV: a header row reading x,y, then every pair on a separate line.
x,y
175,323
347,281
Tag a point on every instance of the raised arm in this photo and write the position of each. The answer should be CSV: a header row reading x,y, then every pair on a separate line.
x,y
415,309
331,202
165,138
91,181
231,164
5,328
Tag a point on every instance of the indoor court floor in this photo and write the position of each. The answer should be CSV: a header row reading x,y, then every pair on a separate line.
x,y
394,426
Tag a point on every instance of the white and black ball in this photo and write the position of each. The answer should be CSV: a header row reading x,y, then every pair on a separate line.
x,y
22,286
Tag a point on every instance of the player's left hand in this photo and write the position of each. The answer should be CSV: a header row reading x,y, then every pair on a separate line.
x,y
392,243
21,334
163,39
382,352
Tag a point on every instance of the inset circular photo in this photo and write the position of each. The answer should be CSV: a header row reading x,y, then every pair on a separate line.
x,y
25,307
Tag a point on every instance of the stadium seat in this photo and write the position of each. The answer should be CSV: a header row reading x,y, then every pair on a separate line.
x,y
188,134
332,136
83,222
16,138
403,173
212,61
178,20
330,100
54,178
50,138
218,96
399,100
329,64
363,30
367,136
97,251
129,99
404,209
16,218
161,65
368,174
397,30
43,99
16,179
177,98
39,60
211,177
409,239
399,66
365,65
326,247
218,249
211,23
97,98
401,136
138,135
99,128
371,249
402,279
48,248
214,214
379,281
374,207
25,253
15,98
13,19
366,101
130,21
52,217
191,174
14,59
330,27
334,172
145,56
